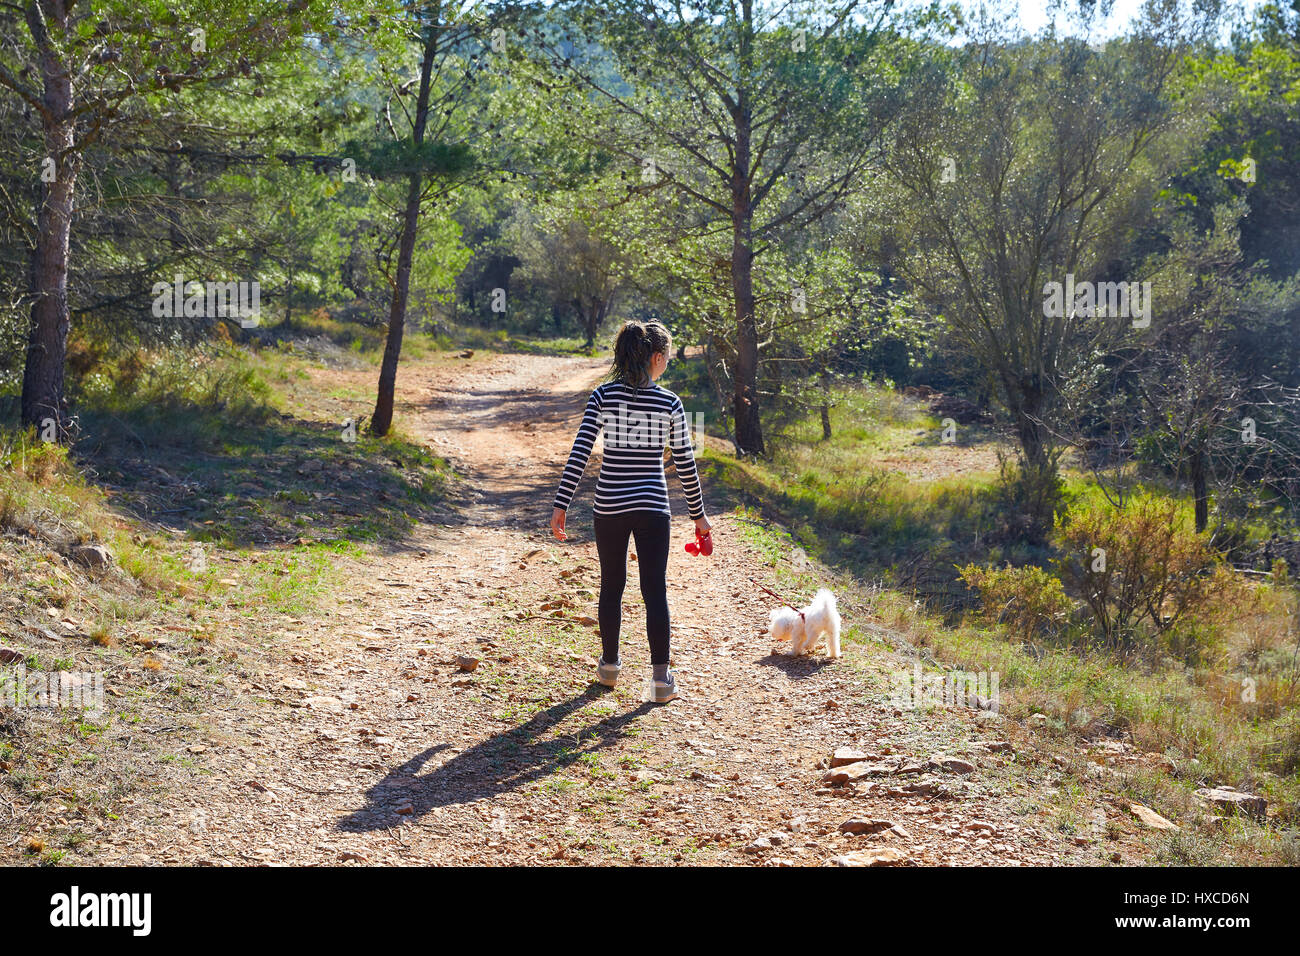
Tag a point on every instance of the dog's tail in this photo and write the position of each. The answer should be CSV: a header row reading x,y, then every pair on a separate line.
x,y
825,599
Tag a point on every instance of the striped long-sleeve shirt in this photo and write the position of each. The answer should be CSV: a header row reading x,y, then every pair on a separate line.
x,y
637,423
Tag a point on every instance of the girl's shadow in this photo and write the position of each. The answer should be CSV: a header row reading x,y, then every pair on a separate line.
x,y
504,762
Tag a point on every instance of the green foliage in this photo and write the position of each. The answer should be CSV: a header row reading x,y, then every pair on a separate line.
x,y
1142,571
1028,498
1028,602
399,159
195,397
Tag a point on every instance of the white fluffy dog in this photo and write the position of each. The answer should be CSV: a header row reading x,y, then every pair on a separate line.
x,y
805,628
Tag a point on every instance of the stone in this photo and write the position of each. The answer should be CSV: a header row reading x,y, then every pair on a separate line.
x,y
874,856
920,788
1102,772
1234,801
951,764
323,703
839,776
92,556
865,826
1149,818
847,755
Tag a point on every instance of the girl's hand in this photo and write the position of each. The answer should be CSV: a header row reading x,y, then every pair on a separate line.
x,y
557,524
702,525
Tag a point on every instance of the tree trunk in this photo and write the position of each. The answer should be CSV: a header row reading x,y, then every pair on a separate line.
x,y
43,401
749,429
592,316
1200,489
382,419
288,300
1027,409
584,317
1036,487
826,409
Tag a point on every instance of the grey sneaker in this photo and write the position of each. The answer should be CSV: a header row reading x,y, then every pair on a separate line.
x,y
662,691
607,674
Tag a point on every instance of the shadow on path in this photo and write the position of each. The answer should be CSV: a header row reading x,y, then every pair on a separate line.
x,y
796,668
502,763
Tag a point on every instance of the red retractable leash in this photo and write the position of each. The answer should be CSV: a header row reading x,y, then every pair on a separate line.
x,y
703,543
778,597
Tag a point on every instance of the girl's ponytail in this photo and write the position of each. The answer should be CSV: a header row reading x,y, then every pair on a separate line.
x,y
634,346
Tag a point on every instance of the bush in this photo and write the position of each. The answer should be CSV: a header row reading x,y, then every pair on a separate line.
x,y
1142,571
1281,572
1027,601
40,491
190,397
1283,753
24,455
1027,499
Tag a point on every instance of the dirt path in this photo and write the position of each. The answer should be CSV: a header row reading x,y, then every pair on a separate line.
x,y
362,741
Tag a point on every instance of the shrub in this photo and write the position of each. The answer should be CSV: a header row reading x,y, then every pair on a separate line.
x,y
1281,572
41,493
1027,601
1027,499
1283,753
24,455
1141,569
185,398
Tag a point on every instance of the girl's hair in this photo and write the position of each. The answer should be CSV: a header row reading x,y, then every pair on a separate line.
x,y
635,344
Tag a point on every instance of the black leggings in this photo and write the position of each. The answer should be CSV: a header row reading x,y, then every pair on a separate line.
x,y
650,530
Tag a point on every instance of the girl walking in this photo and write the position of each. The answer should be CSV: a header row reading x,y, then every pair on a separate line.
x,y
639,419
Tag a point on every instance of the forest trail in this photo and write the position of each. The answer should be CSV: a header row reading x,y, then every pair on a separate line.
x,y
363,742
